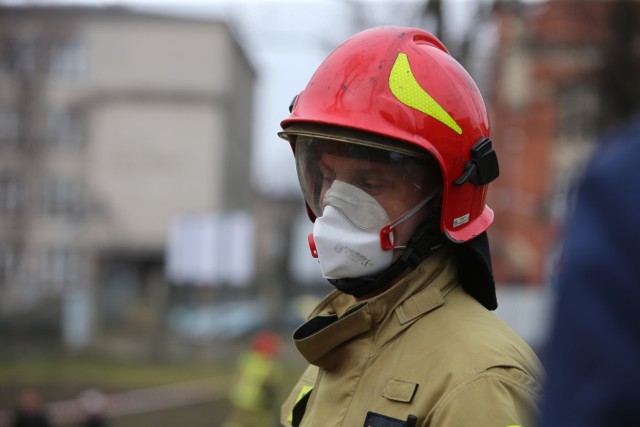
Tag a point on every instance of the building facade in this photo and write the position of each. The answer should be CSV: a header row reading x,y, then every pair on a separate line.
x,y
112,124
547,105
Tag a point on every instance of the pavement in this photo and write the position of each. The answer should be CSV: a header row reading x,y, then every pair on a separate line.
x,y
132,402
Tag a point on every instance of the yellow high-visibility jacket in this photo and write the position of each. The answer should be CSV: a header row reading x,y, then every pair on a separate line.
x,y
423,353
257,371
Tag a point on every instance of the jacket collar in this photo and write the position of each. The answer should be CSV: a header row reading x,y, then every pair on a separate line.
x,y
340,318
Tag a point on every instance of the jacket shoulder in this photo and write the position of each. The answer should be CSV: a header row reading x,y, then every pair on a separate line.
x,y
461,339
463,355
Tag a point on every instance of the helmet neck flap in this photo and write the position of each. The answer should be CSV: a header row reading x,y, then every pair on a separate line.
x,y
475,272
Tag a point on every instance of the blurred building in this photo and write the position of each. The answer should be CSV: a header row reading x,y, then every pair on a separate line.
x,y
547,106
113,124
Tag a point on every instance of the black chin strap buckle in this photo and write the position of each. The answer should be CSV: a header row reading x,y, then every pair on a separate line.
x,y
426,239
483,166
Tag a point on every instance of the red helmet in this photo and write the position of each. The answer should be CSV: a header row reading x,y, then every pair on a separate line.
x,y
402,83
266,343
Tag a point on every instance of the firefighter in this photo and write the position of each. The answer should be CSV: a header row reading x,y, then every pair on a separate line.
x,y
253,397
391,140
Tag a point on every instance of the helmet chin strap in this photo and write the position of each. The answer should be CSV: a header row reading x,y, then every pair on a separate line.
x,y
424,242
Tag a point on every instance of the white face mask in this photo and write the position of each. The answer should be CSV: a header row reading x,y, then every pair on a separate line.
x,y
354,236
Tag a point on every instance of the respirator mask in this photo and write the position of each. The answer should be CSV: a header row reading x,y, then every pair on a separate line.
x,y
358,195
354,236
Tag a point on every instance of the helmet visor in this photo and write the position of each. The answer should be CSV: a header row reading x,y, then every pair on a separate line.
x,y
397,181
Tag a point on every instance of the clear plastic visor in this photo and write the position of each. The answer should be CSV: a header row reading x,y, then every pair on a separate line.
x,y
398,182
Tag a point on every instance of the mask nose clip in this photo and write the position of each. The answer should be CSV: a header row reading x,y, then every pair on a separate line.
x,y
312,245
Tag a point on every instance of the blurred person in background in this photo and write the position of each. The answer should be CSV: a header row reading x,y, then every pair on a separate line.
x,y
30,410
254,396
391,143
594,346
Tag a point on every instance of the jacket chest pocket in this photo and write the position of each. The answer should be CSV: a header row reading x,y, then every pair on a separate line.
x,y
397,391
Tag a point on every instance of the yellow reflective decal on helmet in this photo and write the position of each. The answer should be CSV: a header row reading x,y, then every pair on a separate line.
x,y
406,88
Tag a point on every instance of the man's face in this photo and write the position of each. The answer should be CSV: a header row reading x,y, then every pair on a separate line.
x,y
398,183
385,183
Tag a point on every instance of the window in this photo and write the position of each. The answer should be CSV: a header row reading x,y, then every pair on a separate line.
x,y
61,197
64,129
8,54
60,266
9,126
8,263
68,59
19,56
578,114
10,194
41,53
578,129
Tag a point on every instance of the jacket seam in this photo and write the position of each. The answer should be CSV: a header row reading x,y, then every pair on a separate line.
x,y
361,376
449,396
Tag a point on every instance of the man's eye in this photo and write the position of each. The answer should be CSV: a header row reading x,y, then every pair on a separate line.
x,y
370,186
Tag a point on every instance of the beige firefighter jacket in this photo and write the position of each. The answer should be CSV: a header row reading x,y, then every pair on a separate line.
x,y
423,353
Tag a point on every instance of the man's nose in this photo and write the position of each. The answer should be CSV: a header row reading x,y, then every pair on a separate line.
x,y
323,190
